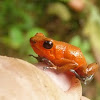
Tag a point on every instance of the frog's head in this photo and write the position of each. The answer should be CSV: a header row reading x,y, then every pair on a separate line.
x,y
43,46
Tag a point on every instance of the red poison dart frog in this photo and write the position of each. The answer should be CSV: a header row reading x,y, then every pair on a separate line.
x,y
62,57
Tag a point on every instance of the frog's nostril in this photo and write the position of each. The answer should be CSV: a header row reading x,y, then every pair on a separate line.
x,y
32,40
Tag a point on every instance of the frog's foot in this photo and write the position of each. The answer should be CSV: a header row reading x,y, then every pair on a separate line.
x,y
84,80
44,68
45,60
87,79
48,62
39,59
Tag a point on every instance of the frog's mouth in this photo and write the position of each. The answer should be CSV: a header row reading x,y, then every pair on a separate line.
x,y
33,44
36,49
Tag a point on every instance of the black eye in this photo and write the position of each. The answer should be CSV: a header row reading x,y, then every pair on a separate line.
x,y
47,44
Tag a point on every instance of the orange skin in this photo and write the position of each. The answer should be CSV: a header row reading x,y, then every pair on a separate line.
x,y
63,56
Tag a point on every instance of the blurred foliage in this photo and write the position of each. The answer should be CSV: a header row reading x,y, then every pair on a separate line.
x,y
92,28
76,22
54,8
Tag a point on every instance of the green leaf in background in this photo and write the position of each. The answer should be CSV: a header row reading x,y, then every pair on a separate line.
x,y
85,46
27,21
59,10
76,41
89,58
16,37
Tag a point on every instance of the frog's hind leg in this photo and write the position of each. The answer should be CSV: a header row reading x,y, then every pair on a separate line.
x,y
91,69
87,73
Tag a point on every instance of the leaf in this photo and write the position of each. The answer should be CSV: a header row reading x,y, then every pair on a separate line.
x,y
59,10
76,41
85,46
89,58
16,37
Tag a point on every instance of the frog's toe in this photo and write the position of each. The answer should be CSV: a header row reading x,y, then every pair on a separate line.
x,y
88,79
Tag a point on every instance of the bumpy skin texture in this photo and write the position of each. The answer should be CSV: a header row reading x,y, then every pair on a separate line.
x,y
63,55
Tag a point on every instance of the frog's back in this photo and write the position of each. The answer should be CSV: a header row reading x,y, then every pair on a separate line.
x,y
74,53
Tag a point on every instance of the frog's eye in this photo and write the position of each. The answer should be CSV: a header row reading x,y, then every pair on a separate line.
x,y
47,44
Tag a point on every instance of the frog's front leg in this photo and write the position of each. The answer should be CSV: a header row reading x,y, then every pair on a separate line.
x,y
49,63
45,60
39,59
